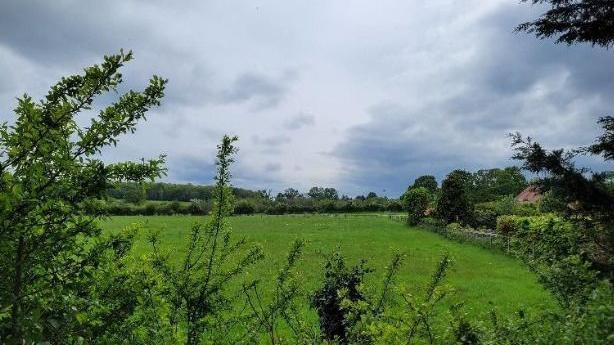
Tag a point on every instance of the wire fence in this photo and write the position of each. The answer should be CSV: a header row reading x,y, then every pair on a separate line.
x,y
485,238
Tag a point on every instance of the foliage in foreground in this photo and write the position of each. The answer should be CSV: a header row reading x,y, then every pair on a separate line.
x,y
196,288
52,257
574,21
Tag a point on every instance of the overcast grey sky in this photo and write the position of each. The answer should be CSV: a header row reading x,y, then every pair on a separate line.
x,y
360,95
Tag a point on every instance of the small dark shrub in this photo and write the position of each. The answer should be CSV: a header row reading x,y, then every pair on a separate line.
x,y
150,209
175,207
394,206
244,207
340,283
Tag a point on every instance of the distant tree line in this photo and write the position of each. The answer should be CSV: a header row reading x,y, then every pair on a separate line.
x,y
464,196
170,192
465,188
134,199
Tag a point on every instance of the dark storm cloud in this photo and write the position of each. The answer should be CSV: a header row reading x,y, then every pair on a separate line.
x,y
56,32
516,60
263,92
388,152
202,171
76,34
299,121
191,170
63,37
551,92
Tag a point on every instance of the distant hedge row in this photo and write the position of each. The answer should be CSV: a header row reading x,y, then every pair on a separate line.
x,y
248,206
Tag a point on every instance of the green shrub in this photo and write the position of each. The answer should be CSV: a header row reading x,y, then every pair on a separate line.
x,y
244,207
394,206
526,209
486,213
433,223
52,254
150,209
197,290
200,206
454,228
340,283
416,201
485,216
508,225
551,203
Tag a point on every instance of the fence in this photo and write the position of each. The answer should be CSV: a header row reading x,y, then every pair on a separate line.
x,y
484,238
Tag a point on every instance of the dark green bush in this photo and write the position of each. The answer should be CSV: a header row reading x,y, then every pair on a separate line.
x,y
454,204
340,282
550,203
244,207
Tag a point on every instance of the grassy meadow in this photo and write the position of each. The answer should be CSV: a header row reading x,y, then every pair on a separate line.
x,y
479,276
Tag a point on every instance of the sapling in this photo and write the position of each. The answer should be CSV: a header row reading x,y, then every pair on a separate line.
x,y
196,288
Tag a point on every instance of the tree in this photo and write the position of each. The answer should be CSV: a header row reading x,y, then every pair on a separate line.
x,y
135,193
454,204
427,181
416,202
321,193
288,194
574,256
492,184
331,194
604,145
50,248
574,21
316,193
371,195
591,195
264,194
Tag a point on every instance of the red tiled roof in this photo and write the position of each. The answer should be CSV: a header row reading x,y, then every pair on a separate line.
x,y
530,194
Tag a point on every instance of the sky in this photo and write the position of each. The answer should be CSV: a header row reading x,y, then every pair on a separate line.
x,y
359,95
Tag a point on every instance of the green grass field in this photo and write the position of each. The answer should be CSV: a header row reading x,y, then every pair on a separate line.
x,y
479,276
